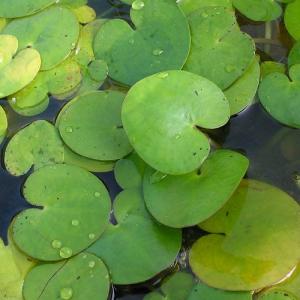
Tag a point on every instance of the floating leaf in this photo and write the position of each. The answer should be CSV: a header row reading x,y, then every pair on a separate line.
x,y
98,70
269,67
277,295
280,96
169,138
255,240
242,92
75,212
204,292
221,52
186,200
3,124
291,19
137,248
85,14
40,144
20,8
91,126
82,277
258,10
3,23
17,69
73,3
294,55
176,287
160,41
60,31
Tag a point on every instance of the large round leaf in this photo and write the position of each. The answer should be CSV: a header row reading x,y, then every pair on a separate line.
x,y
255,241
40,144
75,211
82,277
137,248
53,32
91,126
258,10
219,51
291,19
280,96
17,69
294,55
3,124
186,200
162,115
161,41
20,8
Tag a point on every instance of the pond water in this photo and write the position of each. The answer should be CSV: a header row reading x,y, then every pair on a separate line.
x,y
273,149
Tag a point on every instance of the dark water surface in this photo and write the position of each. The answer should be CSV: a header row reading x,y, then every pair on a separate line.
x,y
273,149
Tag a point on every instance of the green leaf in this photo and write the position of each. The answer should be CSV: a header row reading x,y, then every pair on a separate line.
x,y
242,92
40,144
137,248
294,55
291,19
269,67
20,8
91,126
162,115
160,41
75,212
221,52
85,14
3,124
280,96
255,240
82,277
60,31
258,10
186,200
17,69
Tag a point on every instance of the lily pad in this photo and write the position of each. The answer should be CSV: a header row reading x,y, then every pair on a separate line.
x,y
160,41
221,53
85,14
137,248
291,19
3,124
269,67
20,8
60,31
258,10
255,240
204,292
91,126
73,3
75,212
17,69
186,200
40,144
280,96
242,92
82,277
162,115
176,287
3,23
294,55
277,295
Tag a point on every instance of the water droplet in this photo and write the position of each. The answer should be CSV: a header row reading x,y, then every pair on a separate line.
x,y
75,222
229,68
157,52
13,100
69,129
84,256
138,4
131,41
91,236
92,264
97,194
163,75
56,244
65,252
66,293
204,15
177,137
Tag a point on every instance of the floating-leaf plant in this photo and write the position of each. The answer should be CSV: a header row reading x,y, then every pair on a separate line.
x,y
291,19
3,124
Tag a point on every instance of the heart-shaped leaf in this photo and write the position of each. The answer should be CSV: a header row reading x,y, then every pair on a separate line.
x,y
258,10
17,69
75,211
40,144
95,118
255,240
294,55
169,138
280,96
186,200
221,52
137,248
160,41
85,14
291,19
20,8
82,277
3,124
60,31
